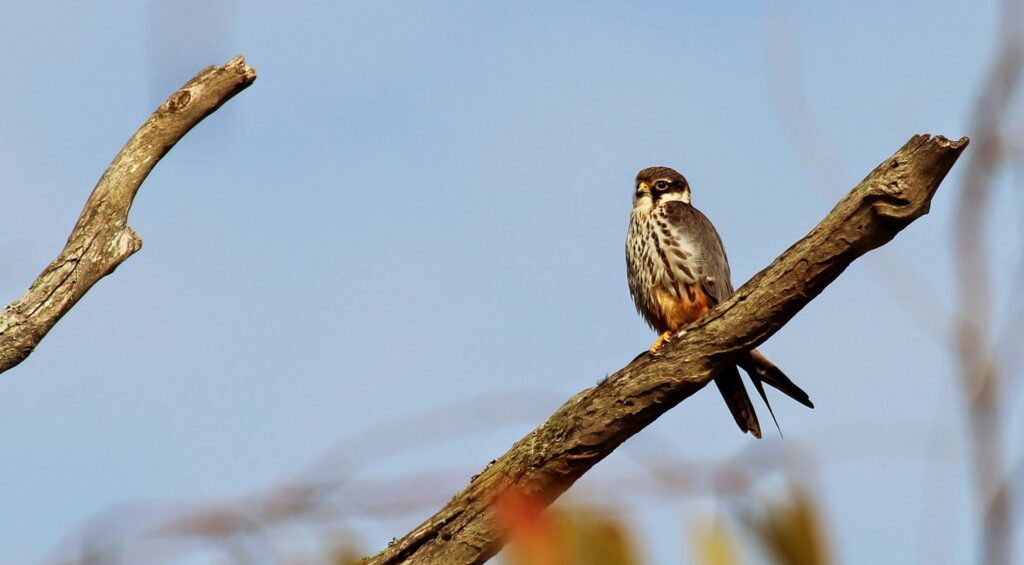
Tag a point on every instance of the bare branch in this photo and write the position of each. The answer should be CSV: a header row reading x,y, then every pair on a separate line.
x,y
595,421
102,239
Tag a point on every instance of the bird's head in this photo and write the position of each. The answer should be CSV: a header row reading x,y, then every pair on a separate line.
x,y
655,185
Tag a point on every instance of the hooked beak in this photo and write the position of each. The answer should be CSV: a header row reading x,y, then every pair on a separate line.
x,y
643,189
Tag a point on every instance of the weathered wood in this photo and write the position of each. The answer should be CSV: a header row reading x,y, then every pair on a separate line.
x,y
101,239
595,421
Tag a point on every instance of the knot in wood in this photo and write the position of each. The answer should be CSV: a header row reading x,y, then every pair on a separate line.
x,y
179,100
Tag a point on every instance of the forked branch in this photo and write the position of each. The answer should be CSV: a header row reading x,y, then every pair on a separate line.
x,y
595,421
102,240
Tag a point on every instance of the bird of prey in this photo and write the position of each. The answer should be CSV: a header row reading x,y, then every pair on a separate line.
x,y
677,271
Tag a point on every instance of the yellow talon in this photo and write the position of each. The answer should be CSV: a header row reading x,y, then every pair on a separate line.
x,y
662,340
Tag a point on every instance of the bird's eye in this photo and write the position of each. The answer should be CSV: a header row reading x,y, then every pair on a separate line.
x,y
661,185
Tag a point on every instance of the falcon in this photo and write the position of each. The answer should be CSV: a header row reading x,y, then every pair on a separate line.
x,y
677,271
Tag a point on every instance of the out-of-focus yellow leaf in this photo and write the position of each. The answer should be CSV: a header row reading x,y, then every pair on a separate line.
x,y
712,544
563,537
791,531
598,538
347,556
344,549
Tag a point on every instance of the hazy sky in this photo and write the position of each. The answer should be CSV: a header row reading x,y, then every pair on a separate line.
x,y
418,204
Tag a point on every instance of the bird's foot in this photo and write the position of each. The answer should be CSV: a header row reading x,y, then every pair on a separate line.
x,y
662,340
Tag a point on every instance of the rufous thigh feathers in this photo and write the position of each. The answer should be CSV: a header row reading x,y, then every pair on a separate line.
x,y
674,312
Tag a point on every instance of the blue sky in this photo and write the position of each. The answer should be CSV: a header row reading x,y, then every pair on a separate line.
x,y
420,204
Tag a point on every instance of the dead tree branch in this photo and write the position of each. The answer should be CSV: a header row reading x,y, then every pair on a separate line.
x,y
102,239
594,422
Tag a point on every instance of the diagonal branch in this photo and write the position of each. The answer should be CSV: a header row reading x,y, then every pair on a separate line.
x,y
102,239
588,427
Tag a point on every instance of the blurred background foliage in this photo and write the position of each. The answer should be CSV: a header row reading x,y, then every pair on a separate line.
x,y
784,531
762,504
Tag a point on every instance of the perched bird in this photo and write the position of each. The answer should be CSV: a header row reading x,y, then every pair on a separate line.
x,y
677,271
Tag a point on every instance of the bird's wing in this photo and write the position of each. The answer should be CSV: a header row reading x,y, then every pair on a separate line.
x,y
709,260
